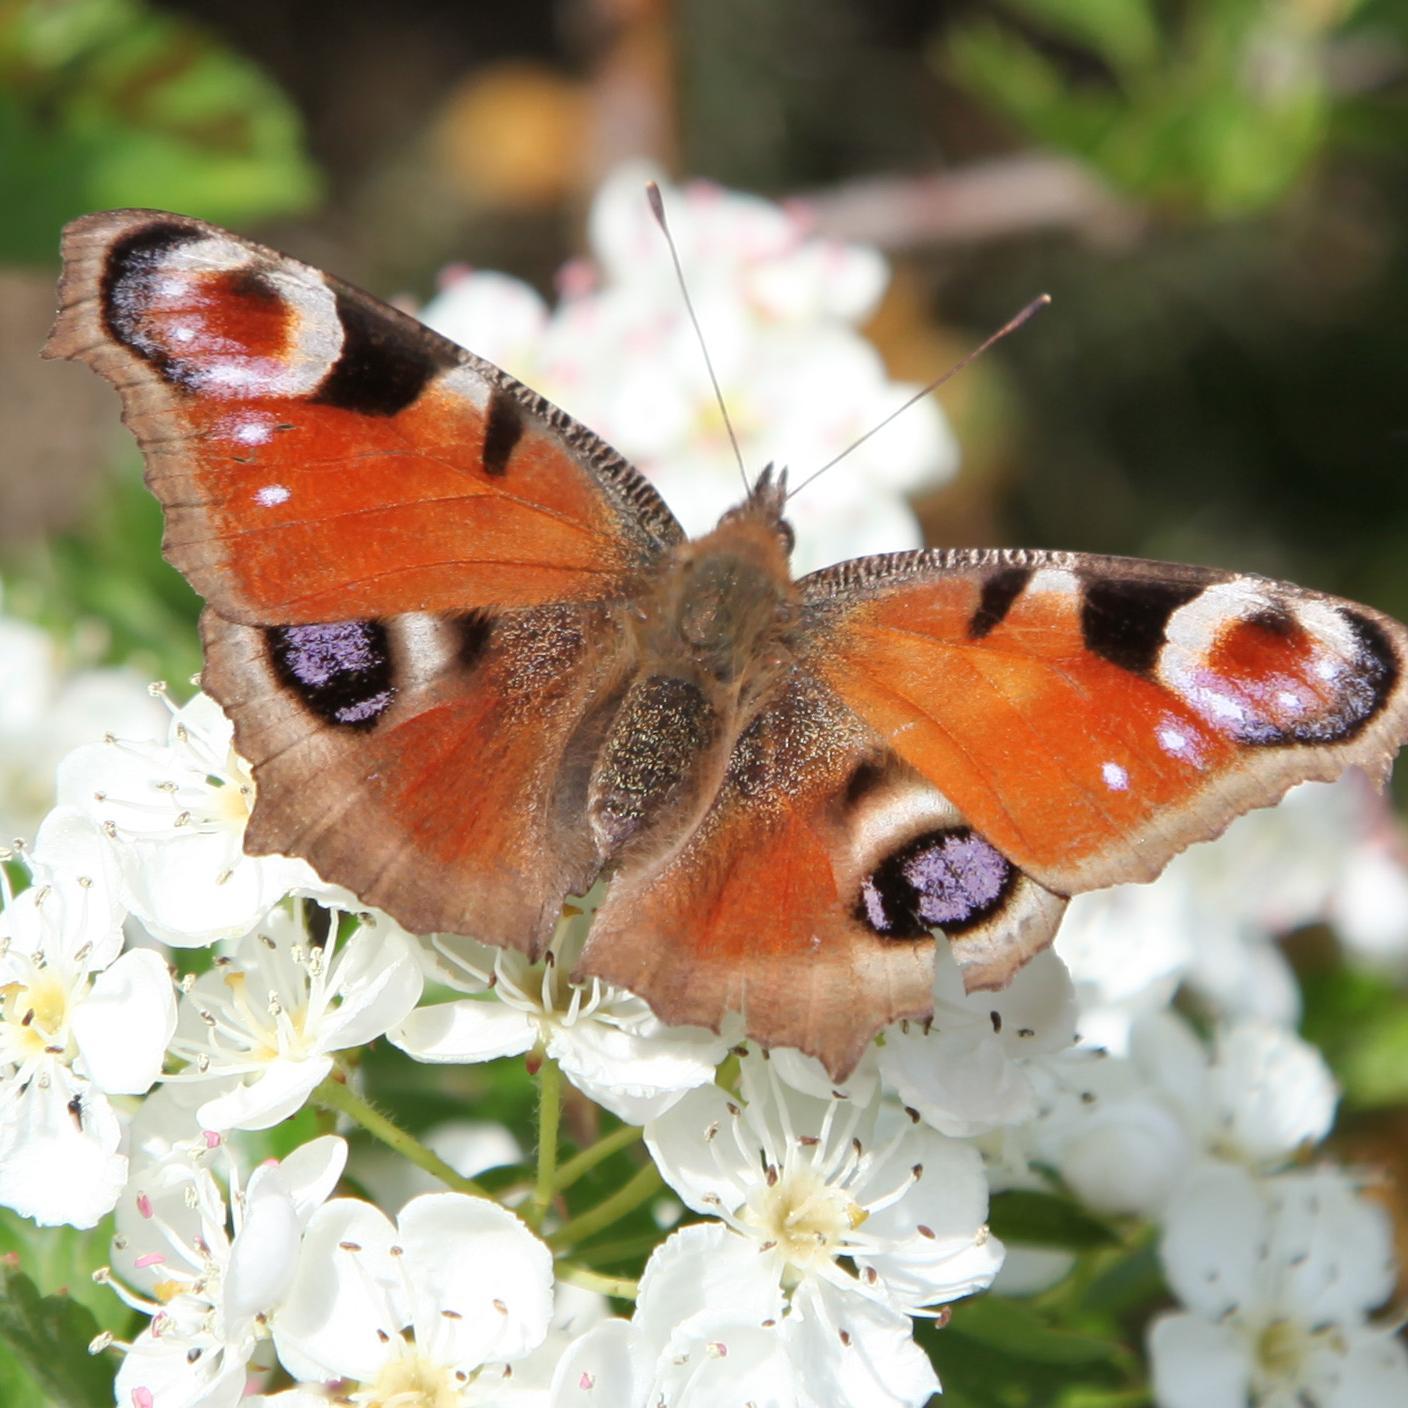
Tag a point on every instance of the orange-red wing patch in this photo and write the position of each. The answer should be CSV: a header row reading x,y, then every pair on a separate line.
x,y
1091,717
324,457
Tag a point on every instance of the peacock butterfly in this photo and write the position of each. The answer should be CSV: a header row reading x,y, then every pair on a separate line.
x,y
474,662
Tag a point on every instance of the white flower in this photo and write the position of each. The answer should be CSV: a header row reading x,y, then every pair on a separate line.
x,y
274,1014
607,1041
709,1330
465,1277
78,1023
212,1281
967,1070
176,814
777,306
1124,1132
807,1189
45,712
1329,852
1278,1279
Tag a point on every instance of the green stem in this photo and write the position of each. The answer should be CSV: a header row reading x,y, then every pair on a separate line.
x,y
622,1287
593,1154
639,1189
332,1094
549,1118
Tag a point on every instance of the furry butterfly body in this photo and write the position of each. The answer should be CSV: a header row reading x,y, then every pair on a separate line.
x,y
475,664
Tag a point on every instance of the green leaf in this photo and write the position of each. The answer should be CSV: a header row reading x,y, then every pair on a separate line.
x,y
48,1336
1124,33
111,103
1029,1217
1015,1328
61,1260
1360,1022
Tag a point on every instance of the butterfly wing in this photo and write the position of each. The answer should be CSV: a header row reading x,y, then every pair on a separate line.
x,y
805,899
1092,716
406,554
323,457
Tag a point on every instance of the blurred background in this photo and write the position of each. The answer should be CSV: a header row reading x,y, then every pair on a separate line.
x,y
1214,192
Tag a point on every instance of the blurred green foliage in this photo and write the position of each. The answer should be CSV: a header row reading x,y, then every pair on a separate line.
x,y
111,103
1215,107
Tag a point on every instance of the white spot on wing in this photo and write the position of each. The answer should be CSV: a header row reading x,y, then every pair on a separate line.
x,y
271,494
1116,778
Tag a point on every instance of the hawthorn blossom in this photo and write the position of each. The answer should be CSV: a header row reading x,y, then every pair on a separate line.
x,y
47,709
707,1330
967,1070
1328,852
176,814
211,1278
778,307
80,1021
1125,1133
806,1189
272,1015
607,1041
1278,1279
428,1310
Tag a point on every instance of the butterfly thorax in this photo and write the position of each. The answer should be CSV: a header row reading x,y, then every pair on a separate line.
x,y
710,636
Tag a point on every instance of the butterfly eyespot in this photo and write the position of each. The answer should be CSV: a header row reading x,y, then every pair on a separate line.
x,y
341,671
950,879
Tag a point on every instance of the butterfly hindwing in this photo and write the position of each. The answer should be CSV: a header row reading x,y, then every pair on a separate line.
x,y
1092,716
435,764
322,456
806,897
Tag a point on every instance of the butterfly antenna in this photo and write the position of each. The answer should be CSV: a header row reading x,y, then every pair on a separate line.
x,y
657,209
1011,325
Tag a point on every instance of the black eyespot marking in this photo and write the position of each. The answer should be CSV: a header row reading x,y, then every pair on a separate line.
x,y
861,783
1362,690
250,286
1123,621
999,592
950,879
502,431
380,370
125,290
341,670
1275,621
474,629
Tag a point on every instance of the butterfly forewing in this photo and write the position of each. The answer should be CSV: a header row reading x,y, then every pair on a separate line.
x,y
1092,716
324,457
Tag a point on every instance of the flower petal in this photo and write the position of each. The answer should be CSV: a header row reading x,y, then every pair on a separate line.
x,y
467,1030
125,1022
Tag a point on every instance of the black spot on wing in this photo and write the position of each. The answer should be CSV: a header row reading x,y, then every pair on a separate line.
x,y
341,670
862,782
1000,590
125,291
1123,619
1366,685
502,431
383,367
473,629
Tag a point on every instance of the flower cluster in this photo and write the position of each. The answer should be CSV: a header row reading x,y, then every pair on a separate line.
x,y
186,1031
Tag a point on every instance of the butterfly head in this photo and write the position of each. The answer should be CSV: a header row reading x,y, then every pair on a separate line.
x,y
767,498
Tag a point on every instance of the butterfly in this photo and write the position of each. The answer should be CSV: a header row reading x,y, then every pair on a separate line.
x,y
475,664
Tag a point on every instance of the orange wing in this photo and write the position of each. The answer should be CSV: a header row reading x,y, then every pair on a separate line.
x,y
323,457
1092,716
804,900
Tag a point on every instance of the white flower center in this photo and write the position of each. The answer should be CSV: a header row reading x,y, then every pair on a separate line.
x,y
34,1017
809,1219
410,1381
1283,1351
